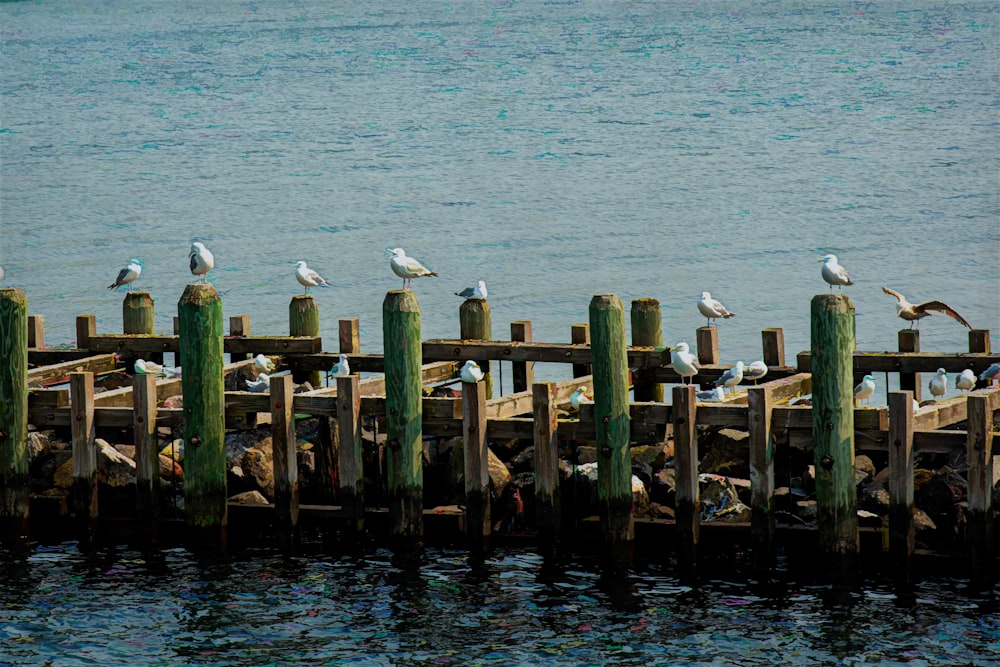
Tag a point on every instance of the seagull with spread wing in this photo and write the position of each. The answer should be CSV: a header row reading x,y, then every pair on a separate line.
x,y
914,312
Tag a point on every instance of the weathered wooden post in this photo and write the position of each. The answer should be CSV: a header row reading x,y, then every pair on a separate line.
x,y
36,332
580,335
349,335
200,325
647,331
303,320
352,481
404,415
909,341
609,356
686,497
177,332
475,323
13,415
81,396
548,514
832,347
522,372
979,453
138,318
147,455
708,345
478,524
979,342
286,472
760,401
239,325
773,343
901,528
86,326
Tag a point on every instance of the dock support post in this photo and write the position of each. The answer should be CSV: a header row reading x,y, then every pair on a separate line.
x,y
138,317
13,415
760,401
979,454
832,346
36,332
609,355
286,472
475,323
686,499
979,342
239,325
303,320
478,523
81,396
147,455
522,372
708,345
404,415
580,335
548,514
200,325
349,335
86,326
773,342
647,331
909,341
901,527
352,481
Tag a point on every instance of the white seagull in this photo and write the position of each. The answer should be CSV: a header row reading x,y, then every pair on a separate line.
x,y
128,275
307,277
477,292
732,377
965,381
579,397
717,394
990,374
914,312
471,372
755,371
685,363
202,260
938,384
262,364
340,369
261,385
712,309
864,391
834,273
143,367
406,267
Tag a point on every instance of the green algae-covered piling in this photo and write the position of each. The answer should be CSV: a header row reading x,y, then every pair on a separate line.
x,y
13,415
647,331
138,317
404,415
760,401
200,326
686,501
475,323
548,520
303,320
350,461
979,453
901,528
477,474
832,348
286,474
522,372
147,459
611,418
81,396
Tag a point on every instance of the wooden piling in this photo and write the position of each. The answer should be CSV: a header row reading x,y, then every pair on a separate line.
x,y
349,335
979,453
303,320
177,332
909,341
478,523
138,317
352,481
404,415
239,325
832,347
475,324
522,372
760,401
611,417
84,493
286,475
686,496
147,455
200,325
86,326
979,342
547,511
36,331
580,335
708,345
773,342
13,415
901,526
647,331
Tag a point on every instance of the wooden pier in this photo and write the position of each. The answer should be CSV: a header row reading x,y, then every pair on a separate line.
x,y
390,395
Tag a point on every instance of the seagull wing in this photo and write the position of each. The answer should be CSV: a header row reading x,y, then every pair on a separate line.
x,y
122,275
941,308
194,261
317,278
899,297
467,292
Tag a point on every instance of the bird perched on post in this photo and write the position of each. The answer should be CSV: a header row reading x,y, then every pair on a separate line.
x,y
712,309
990,374
966,380
307,277
912,313
732,377
579,397
128,275
685,363
340,369
833,273
477,292
755,371
406,267
938,384
864,391
471,372
716,394
202,260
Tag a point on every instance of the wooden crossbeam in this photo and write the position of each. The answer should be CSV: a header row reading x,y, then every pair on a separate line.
x,y
96,364
140,344
911,362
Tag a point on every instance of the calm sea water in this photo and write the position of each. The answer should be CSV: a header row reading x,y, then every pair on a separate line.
x,y
556,150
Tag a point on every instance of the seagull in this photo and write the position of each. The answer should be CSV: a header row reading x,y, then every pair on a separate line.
x,y
717,394
477,292
755,371
712,309
579,397
471,372
406,267
864,391
912,313
732,377
965,381
202,260
990,374
143,367
834,273
340,369
1,273
260,385
938,384
685,363
262,364
127,275
308,278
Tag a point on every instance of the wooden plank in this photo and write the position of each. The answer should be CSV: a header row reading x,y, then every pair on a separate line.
x,y
457,350
900,445
52,356
911,362
96,364
268,345
522,403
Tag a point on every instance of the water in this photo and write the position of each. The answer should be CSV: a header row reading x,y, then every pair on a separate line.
x,y
556,150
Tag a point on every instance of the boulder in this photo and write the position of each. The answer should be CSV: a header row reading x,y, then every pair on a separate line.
x,y
114,468
725,451
719,499
249,498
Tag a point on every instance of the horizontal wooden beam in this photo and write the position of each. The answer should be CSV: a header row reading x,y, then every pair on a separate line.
x,y
144,344
96,364
911,362
55,355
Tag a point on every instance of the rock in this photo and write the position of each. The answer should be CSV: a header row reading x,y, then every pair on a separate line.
x,y
62,478
662,487
658,511
523,461
170,470
806,509
499,475
921,521
257,467
174,402
718,498
113,468
869,519
725,452
864,469
38,444
586,454
249,498
654,456
174,449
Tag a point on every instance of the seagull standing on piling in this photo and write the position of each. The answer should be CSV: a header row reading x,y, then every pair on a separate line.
x,y
471,372
685,363
202,260
938,384
864,391
966,380
990,374
913,313
755,371
128,275
834,273
477,292
579,397
732,377
406,267
340,369
712,309
308,278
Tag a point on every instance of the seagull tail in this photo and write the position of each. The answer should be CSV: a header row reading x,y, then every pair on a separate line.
x,y
727,315
432,273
